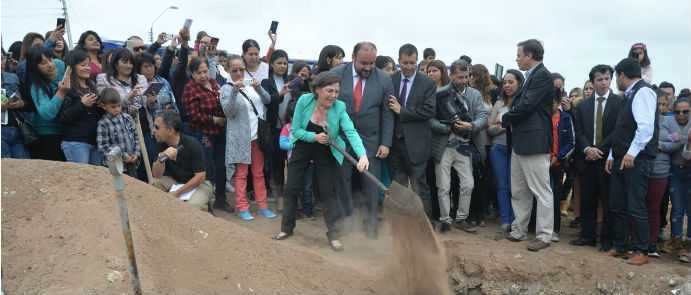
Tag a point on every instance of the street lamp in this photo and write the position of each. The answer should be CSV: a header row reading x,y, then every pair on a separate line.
x,y
151,31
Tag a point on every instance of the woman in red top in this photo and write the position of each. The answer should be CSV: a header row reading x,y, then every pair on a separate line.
x,y
90,42
207,122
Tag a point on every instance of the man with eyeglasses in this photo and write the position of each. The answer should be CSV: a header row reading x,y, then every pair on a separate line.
x,y
594,123
180,161
457,141
412,140
365,91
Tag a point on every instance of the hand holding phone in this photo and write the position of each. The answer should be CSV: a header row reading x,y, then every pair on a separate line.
x,y
274,26
60,22
68,72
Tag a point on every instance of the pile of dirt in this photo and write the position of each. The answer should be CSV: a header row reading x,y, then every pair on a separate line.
x,y
61,234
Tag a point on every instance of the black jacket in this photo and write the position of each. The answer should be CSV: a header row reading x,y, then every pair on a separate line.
x,y
79,122
529,122
177,77
419,108
583,126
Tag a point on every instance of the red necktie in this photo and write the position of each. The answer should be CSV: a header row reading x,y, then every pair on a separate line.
x,y
357,94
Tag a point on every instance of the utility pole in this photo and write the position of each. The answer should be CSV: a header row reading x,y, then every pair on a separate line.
x,y
67,23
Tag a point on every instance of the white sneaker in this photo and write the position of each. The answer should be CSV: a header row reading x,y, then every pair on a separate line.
x,y
555,237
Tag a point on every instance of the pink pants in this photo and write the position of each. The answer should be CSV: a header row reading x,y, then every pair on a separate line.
x,y
257,164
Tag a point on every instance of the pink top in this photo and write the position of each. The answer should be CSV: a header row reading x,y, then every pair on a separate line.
x,y
95,70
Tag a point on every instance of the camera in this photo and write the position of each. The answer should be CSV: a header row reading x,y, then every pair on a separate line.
x,y
247,81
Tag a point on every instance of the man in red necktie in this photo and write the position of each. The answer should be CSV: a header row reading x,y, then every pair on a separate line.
x,y
365,90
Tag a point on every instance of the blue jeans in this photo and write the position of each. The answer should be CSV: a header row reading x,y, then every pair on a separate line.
x,y
81,152
680,196
307,189
13,143
501,164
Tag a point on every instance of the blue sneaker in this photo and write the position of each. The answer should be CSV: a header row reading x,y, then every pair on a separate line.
x,y
267,213
245,215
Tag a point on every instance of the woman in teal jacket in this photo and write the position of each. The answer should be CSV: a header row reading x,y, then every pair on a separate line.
x,y
44,78
311,143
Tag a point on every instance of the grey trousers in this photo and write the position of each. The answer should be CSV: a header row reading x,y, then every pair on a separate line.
x,y
530,177
464,167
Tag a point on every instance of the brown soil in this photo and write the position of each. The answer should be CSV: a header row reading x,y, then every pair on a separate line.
x,y
61,234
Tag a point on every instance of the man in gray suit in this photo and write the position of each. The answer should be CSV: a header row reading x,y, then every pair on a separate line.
x,y
365,91
412,139
458,142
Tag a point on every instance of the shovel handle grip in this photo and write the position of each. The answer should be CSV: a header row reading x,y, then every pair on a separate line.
x,y
350,158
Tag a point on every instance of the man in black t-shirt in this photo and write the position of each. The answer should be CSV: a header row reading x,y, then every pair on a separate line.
x,y
181,159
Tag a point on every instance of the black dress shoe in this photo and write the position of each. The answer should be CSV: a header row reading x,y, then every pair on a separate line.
x,y
605,247
576,223
280,237
583,242
445,227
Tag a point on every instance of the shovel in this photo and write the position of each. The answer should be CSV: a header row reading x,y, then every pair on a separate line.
x,y
399,198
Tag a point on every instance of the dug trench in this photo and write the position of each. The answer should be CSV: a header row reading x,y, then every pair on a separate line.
x,y
61,234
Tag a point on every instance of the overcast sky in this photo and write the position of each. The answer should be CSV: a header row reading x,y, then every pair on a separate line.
x,y
576,34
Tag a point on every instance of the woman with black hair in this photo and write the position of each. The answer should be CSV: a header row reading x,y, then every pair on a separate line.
x,y
640,51
91,43
277,85
254,68
80,112
207,121
330,57
120,75
145,65
61,49
500,157
47,89
385,63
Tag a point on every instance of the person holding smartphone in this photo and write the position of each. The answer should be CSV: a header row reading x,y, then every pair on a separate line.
x,y
80,112
239,102
12,139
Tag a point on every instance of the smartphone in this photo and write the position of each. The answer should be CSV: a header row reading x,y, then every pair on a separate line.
x,y
15,97
214,42
153,88
274,26
247,81
188,24
168,37
68,72
61,22
128,45
295,83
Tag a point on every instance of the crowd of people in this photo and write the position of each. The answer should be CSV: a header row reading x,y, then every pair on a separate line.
x,y
473,146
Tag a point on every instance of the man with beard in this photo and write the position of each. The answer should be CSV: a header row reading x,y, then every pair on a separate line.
x,y
365,91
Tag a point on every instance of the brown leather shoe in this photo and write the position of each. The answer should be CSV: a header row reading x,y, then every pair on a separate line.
x,y
638,259
538,245
614,253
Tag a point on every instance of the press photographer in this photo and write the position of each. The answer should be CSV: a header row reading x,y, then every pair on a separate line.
x,y
458,141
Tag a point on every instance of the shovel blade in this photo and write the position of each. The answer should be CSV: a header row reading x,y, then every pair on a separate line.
x,y
401,200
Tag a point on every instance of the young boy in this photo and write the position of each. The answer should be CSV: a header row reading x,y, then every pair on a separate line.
x,y
116,128
563,136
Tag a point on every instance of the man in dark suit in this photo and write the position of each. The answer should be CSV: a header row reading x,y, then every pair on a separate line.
x,y
412,139
529,126
365,91
594,122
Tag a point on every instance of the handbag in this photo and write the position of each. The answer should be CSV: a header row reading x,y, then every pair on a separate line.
x,y
26,127
264,136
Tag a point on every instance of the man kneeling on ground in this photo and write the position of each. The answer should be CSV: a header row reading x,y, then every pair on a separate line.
x,y
181,159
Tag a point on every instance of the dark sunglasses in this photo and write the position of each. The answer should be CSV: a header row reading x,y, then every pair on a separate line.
x,y
679,112
140,48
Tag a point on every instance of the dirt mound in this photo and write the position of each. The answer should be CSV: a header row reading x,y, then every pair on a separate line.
x,y
61,234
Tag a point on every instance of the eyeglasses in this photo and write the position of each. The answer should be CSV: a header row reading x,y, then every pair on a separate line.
x,y
237,70
679,112
139,48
